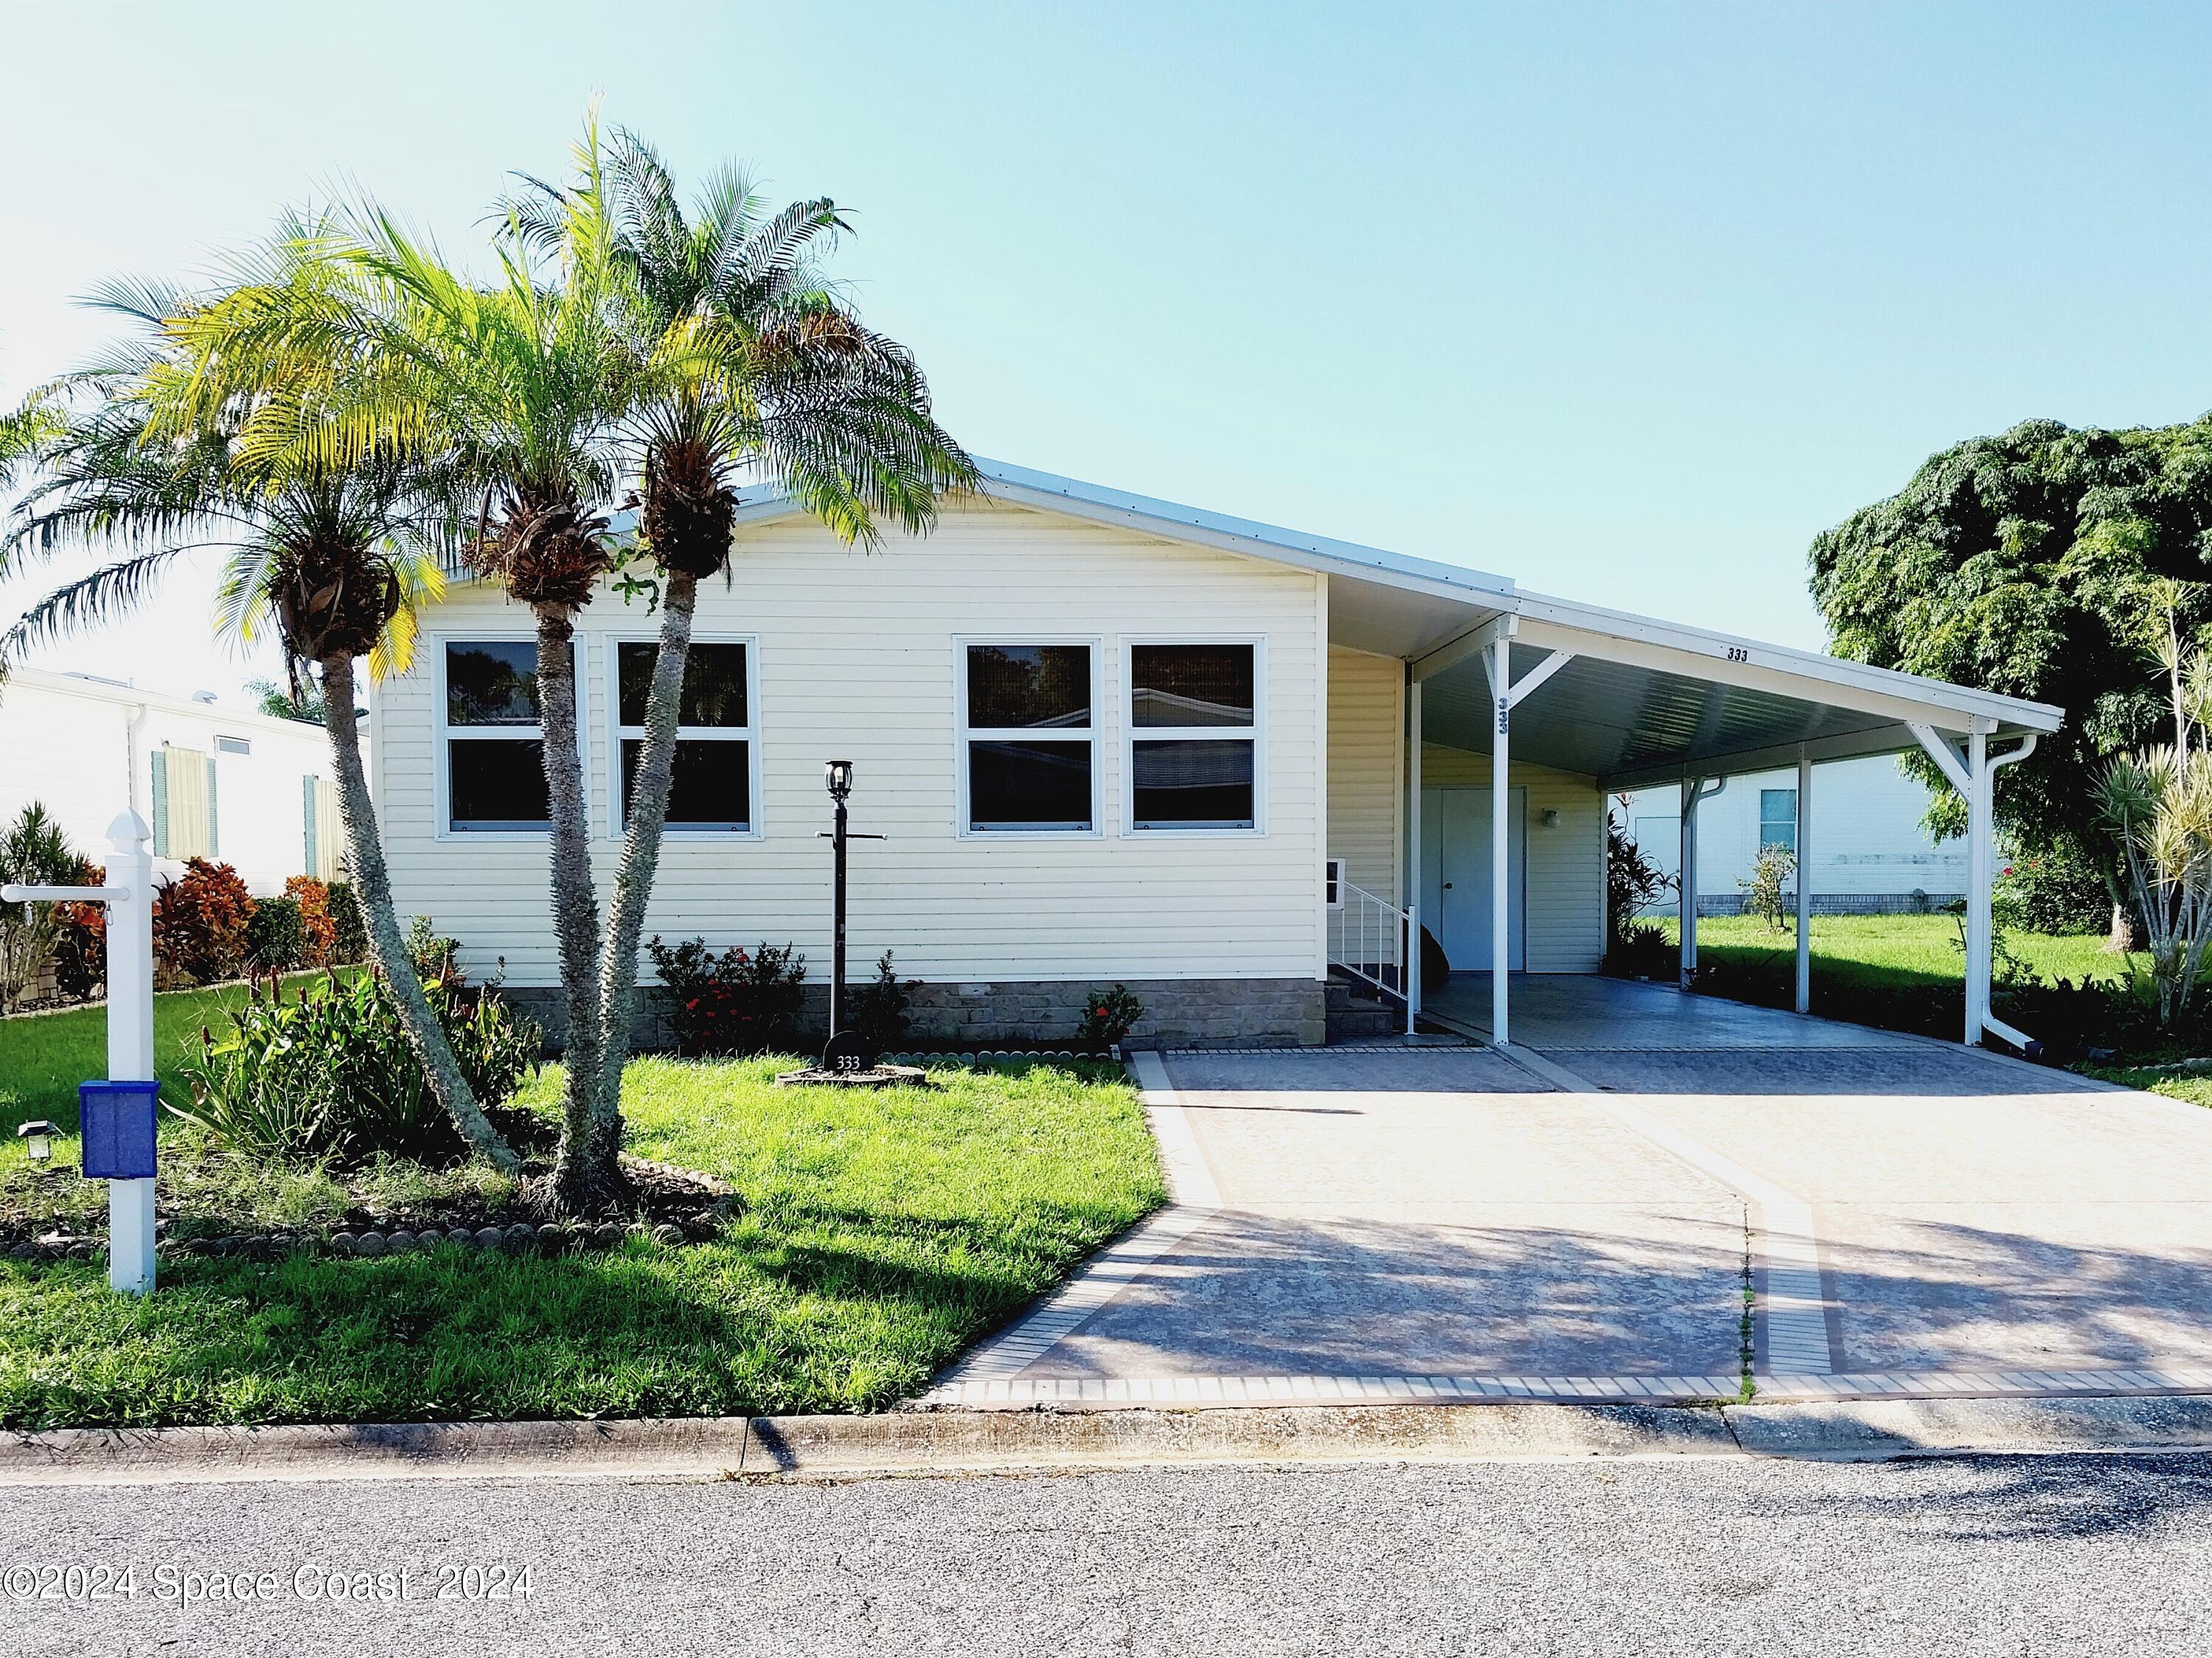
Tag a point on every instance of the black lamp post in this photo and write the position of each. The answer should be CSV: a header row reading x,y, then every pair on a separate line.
x,y
842,1052
838,775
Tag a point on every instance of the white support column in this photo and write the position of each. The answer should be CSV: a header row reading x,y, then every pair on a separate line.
x,y
1412,896
1694,793
1978,838
131,1039
1804,859
1501,950
1686,897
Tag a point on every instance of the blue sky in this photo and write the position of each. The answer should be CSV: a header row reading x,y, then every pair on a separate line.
x,y
1626,301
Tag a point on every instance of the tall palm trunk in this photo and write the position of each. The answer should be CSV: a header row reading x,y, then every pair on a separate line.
x,y
583,1183
372,887
640,853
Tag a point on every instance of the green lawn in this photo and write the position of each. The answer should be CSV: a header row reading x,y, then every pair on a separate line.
x,y
1926,946
43,1056
880,1234
2195,1089
1901,972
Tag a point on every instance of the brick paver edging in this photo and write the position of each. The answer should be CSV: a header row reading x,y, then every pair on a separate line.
x,y
1184,1391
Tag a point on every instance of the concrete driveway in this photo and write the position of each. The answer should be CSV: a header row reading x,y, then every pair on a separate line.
x,y
1581,1218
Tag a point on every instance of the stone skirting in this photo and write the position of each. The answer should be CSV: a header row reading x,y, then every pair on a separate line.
x,y
1178,1013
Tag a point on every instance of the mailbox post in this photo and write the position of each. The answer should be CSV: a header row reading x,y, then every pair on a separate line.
x,y
129,897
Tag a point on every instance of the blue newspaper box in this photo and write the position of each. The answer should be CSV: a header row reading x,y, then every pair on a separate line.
x,y
118,1128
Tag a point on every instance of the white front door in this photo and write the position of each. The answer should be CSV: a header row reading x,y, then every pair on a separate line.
x,y
1456,875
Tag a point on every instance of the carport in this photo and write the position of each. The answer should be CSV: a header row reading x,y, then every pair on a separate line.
x,y
1627,701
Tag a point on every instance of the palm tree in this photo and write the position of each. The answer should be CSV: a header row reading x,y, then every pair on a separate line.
x,y
334,555
514,389
756,372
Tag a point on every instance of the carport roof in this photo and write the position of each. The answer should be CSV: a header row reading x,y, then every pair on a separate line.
x,y
1641,700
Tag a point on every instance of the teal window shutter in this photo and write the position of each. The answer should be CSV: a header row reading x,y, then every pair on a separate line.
x,y
161,804
307,822
214,846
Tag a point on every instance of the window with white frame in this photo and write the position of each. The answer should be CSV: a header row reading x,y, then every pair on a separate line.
x,y
1193,736
1027,738
493,740
712,791
1777,819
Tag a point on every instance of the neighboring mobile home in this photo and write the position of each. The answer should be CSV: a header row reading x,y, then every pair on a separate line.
x,y
1874,855
233,786
1112,739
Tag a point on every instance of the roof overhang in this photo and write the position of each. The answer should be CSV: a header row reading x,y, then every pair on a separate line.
x,y
1641,701
1638,702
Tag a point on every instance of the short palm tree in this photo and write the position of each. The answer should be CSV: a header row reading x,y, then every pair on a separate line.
x,y
335,556
514,391
754,372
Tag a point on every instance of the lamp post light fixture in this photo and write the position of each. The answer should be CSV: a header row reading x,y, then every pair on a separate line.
x,y
37,1138
844,1051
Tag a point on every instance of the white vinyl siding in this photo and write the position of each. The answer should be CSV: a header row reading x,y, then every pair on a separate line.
x,y
1567,860
85,749
1367,766
859,660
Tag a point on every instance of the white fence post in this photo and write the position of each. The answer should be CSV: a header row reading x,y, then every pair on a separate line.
x,y
130,1038
127,894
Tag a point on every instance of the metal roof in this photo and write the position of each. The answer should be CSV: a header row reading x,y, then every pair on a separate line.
x,y
1644,698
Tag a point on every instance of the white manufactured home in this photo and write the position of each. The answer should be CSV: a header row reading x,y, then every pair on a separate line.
x,y
1874,855
215,782
1108,738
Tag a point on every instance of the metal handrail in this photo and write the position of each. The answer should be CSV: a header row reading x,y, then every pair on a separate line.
x,y
1374,941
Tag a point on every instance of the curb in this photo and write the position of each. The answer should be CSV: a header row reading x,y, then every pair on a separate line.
x,y
969,1442
1895,1430
897,1442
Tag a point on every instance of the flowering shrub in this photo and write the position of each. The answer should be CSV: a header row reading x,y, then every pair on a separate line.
x,y
739,1002
81,939
318,932
2056,890
1108,1017
200,922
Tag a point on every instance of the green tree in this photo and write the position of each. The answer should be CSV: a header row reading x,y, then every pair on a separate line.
x,y
513,390
147,453
758,373
2027,564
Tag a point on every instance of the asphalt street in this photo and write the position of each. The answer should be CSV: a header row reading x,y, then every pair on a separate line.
x,y
1709,1557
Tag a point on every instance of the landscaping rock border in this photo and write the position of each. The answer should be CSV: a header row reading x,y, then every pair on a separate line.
x,y
720,1201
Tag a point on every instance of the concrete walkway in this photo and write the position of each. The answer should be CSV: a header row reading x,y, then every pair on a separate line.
x,y
1579,1217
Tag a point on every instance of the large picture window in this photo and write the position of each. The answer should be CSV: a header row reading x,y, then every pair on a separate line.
x,y
1193,736
712,792
493,742
1027,736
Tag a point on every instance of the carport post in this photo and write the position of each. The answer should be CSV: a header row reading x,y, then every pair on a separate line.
x,y
1409,968
1804,880
1501,690
1978,836
1693,791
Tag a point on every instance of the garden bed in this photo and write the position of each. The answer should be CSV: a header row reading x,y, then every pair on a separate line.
x,y
872,1236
